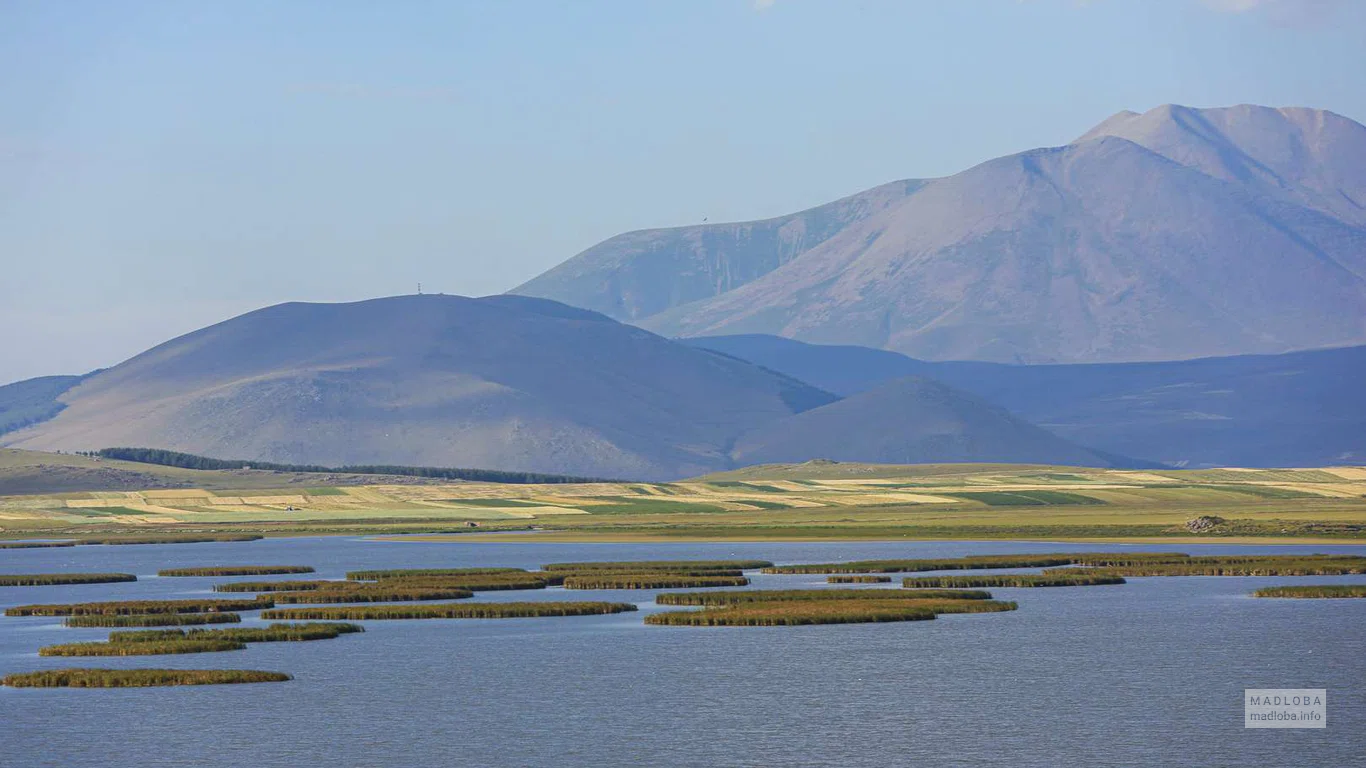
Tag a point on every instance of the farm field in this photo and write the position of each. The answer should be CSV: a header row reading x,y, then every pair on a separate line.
x,y
815,500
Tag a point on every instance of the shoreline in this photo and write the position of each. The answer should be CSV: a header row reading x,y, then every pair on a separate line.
x,y
554,537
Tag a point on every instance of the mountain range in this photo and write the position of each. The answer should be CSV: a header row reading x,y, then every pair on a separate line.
x,y
1173,234
1298,409
503,382
1184,286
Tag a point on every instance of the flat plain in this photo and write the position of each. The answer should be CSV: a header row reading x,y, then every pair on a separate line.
x,y
810,501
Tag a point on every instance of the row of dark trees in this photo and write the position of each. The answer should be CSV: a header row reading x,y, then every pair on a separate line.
x,y
191,461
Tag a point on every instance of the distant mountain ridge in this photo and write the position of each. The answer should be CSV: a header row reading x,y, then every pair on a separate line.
x,y
507,383
1297,409
1175,234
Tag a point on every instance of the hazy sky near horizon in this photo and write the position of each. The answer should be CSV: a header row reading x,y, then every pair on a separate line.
x,y
166,165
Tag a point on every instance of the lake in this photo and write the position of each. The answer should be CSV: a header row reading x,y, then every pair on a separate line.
x,y
1151,672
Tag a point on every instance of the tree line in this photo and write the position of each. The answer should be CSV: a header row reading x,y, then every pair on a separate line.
x,y
167,458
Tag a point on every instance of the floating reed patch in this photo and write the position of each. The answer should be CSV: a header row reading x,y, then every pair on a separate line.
x,y
274,633
157,648
449,611
645,566
380,593
426,573
138,678
35,544
1238,565
236,570
1068,578
922,564
417,588
1102,559
204,539
976,562
746,596
791,614
799,612
650,581
557,578
45,579
1318,591
152,620
274,586
860,579
132,607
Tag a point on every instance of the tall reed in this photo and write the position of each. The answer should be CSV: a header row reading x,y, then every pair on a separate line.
x,y
1071,578
796,613
448,611
609,580
137,678
1317,591
383,593
274,586
270,634
425,573
46,579
746,596
151,620
156,648
236,570
131,607
643,566
1238,565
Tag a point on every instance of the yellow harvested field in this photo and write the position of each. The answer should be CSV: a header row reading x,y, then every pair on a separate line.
x,y
176,493
787,501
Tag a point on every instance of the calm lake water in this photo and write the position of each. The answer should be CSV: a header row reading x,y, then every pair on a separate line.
x,y
1148,673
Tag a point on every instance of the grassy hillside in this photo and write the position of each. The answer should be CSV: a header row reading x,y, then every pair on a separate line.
x,y
817,500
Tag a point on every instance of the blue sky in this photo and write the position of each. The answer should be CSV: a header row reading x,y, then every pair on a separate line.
x,y
168,165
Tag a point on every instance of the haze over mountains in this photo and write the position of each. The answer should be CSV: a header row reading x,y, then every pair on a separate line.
x,y
1174,234
502,382
1298,409
1108,264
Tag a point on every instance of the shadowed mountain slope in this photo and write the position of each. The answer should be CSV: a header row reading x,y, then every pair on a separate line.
x,y
1294,409
911,421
